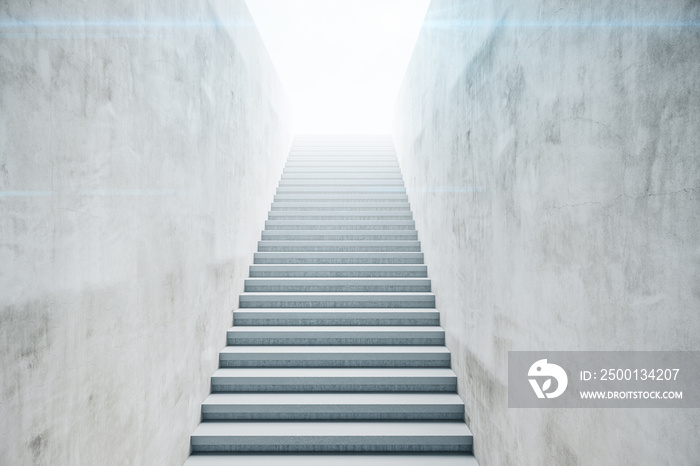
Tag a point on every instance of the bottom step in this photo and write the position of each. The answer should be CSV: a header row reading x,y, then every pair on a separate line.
x,y
332,460
279,437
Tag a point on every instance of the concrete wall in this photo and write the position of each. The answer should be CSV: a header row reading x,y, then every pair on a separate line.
x,y
550,149
137,165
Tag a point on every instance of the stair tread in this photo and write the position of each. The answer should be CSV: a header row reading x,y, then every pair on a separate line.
x,y
380,206
342,253
335,349
346,242
345,372
321,398
339,280
339,222
344,328
333,460
408,234
331,429
374,232
374,294
335,310
338,267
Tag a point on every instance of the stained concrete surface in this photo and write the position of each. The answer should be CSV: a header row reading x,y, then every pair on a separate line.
x,y
140,144
550,151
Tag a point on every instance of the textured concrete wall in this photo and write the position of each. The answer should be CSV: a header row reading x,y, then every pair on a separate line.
x,y
550,149
137,165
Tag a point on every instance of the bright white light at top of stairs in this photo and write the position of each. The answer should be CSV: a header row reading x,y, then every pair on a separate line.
x,y
340,61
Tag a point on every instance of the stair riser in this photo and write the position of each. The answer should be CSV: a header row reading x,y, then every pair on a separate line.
x,y
289,179
334,360
350,191
334,321
341,198
302,224
337,244
333,282
333,216
324,156
265,248
334,318
339,157
282,288
339,285
409,226
333,337
368,165
320,181
350,176
335,170
345,302
336,274
332,150
281,445
336,412
359,181
364,385
363,162
346,207
338,260
335,235
319,340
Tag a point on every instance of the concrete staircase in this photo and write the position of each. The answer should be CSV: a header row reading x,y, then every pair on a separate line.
x,y
336,355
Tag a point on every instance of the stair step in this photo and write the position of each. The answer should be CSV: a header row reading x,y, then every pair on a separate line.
x,y
342,197
355,216
336,317
367,165
338,258
337,178
298,224
364,300
343,270
393,169
328,150
338,459
333,406
350,191
335,335
337,152
359,162
335,235
338,246
376,206
333,380
311,179
332,436
342,285
331,155
342,167
324,156
334,356
318,224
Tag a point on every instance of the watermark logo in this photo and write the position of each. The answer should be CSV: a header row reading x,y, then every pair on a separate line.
x,y
544,371
603,379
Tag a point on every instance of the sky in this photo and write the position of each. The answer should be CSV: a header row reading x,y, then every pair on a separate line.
x,y
340,61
